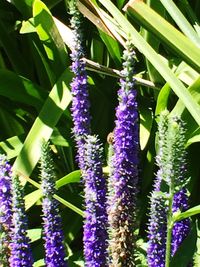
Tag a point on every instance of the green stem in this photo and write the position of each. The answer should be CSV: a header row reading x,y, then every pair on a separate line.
x,y
169,231
172,139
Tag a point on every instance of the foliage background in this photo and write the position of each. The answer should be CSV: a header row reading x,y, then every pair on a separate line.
x,y
35,97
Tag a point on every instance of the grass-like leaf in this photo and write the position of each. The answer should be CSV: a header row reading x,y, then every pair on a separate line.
x,y
154,58
50,37
12,146
186,214
60,199
9,44
73,177
181,21
57,101
25,91
165,32
32,198
34,234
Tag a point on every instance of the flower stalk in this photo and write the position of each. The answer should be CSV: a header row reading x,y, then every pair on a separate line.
x,y
95,225
171,181
124,176
5,210
80,100
53,234
21,255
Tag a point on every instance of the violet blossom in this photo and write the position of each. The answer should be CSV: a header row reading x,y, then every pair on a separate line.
x,y
53,234
180,228
95,224
80,100
157,227
89,155
5,209
157,230
21,255
180,200
124,176
169,187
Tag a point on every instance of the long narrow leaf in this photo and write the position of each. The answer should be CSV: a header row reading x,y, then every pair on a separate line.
x,y
24,91
23,6
12,146
50,37
14,54
191,212
166,32
73,177
181,21
60,199
155,60
57,101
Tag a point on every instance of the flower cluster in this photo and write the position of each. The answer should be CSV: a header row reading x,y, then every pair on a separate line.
x,y
181,228
157,230
5,194
95,226
5,209
89,155
124,178
158,205
21,255
53,235
179,172
13,220
80,100
170,190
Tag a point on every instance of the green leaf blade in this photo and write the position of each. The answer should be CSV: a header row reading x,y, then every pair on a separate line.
x,y
57,101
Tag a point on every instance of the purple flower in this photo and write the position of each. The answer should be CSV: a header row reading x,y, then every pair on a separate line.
x,y
95,232
53,235
5,209
20,248
157,230
179,180
5,194
124,176
80,101
181,228
170,190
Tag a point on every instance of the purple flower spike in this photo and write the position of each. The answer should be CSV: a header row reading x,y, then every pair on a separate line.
x,y
124,176
170,191
95,234
157,231
20,249
80,101
53,235
181,228
5,209
179,180
5,194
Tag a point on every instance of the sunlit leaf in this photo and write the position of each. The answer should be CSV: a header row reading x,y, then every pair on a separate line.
x,y
50,37
12,146
166,32
155,60
181,21
73,177
34,234
57,101
191,212
32,198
